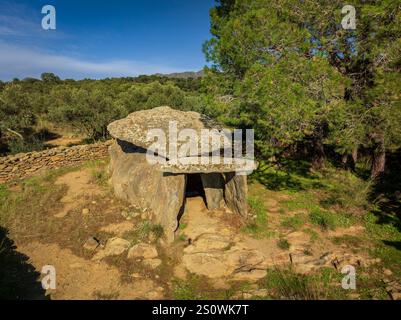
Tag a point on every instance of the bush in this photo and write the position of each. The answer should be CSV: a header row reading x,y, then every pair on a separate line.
x,y
283,244
347,191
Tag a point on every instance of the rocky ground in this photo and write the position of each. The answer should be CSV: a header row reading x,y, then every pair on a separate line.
x,y
102,248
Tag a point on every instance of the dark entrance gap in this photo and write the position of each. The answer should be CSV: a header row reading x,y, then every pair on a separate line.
x,y
194,186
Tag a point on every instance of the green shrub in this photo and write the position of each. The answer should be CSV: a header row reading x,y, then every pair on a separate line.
x,y
347,191
323,219
283,244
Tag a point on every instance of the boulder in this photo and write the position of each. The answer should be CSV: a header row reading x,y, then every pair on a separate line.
x,y
113,247
152,263
143,250
91,244
221,261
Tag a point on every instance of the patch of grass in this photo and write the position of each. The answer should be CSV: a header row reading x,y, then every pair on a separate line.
x,y
283,244
100,177
288,175
157,230
143,231
105,296
182,226
328,220
95,164
349,240
295,222
347,191
314,236
386,236
182,238
322,219
287,284
4,192
25,206
258,225
198,288
301,201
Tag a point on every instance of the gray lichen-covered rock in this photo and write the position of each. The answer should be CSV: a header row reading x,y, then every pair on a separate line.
x,y
136,181
213,184
135,127
236,190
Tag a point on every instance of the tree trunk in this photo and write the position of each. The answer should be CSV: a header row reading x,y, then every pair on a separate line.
x,y
378,159
344,160
355,155
319,156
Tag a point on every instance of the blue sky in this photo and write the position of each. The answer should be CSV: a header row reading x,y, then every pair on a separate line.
x,y
97,39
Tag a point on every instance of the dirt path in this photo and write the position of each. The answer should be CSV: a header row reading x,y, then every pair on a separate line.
x,y
78,278
79,186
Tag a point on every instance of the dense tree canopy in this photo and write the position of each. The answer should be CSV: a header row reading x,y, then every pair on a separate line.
x,y
295,75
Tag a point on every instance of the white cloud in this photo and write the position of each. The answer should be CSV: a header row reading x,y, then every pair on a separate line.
x,y
18,61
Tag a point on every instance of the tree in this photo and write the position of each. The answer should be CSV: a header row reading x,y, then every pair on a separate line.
x,y
89,110
50,77
299,76
17,119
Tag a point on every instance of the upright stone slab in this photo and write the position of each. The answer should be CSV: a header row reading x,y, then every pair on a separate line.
x,y
235,193
137,182
213,184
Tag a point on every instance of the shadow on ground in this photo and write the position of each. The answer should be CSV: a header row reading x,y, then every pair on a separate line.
x,y
287,174
387,192
18,279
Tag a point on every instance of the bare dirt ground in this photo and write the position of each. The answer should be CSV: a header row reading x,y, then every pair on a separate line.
x,y
64,141
78,187
80,278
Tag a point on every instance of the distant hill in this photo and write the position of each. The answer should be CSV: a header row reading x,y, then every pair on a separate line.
x,y
183,75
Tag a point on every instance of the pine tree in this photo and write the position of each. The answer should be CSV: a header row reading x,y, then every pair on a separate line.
x,y
299,75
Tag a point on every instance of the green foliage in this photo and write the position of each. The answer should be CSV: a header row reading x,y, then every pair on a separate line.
x,y
88,105
146,228
89,110
295,75
283,244
347,191
328,220
349,240
197,288
288,175
295,222
286,284
258,224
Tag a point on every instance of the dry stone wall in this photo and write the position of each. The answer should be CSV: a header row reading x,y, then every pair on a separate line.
x,y
24,165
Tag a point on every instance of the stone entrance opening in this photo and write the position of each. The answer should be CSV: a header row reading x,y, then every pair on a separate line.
x,y
194,187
